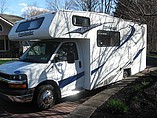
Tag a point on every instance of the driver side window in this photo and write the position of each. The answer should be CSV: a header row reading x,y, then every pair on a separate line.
x,y
63,51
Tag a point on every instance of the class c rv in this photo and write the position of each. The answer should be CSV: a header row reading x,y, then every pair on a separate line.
x,y
71,51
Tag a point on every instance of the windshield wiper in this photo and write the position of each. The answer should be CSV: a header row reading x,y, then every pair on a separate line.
x,y
27,60
30,60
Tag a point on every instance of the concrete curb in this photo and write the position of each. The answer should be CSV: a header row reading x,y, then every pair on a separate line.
x,y
86,109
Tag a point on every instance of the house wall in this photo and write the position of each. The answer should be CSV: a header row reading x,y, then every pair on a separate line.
x,y
5,28
8,49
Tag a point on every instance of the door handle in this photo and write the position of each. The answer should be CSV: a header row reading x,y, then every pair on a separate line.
x,y
80,65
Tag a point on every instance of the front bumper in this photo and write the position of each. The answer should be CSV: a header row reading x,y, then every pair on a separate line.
x,y
22,98
16,90
16,95
19,95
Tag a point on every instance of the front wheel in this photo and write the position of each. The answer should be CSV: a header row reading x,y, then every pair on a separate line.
x,y
44,97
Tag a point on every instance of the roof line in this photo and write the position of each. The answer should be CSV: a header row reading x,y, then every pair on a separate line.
x,y
5,20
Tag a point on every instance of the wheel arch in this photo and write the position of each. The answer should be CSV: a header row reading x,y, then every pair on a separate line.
x,y
127,71
54,84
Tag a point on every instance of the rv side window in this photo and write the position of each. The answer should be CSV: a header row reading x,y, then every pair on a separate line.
x,y
66,48
108,38
80,21
30,25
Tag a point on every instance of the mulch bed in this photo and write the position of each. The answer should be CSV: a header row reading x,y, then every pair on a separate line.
x,y
140,97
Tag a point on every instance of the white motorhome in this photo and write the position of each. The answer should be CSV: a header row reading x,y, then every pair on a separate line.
x,y
72,51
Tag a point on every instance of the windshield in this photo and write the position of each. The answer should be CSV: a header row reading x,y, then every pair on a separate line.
x,y
40,52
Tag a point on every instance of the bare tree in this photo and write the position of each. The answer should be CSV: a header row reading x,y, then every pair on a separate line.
x,y
104,6
143,11
85,5
55,5
3,6
107,6
33,10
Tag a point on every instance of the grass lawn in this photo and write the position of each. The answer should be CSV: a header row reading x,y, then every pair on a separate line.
x,y
152,56
3,61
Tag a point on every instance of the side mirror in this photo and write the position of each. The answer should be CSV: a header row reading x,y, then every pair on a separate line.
x,y
70,57
56,58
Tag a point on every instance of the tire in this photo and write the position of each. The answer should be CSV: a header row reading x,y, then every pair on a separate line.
x,y
44,97
125,74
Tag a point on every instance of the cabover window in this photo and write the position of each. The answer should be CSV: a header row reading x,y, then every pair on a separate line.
x,y
108,38
80,21
30,25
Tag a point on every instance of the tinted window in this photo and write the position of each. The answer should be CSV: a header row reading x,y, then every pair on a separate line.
x,y
108,38
30,25
66,48
40,52
80,21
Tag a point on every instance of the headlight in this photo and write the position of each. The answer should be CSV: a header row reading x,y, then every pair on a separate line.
x,y
20,77
18,81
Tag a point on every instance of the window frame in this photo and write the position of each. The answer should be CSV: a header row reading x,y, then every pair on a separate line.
x,y
33,55
58,59
110,41
28,22
80,17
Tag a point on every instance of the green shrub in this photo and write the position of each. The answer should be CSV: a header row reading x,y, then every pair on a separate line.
x,y
138,87
144,83
136,98
116,106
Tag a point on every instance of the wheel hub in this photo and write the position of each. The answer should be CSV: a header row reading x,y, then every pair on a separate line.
x,y
47,97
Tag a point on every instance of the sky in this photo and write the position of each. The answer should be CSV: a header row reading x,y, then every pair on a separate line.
x,y
17,7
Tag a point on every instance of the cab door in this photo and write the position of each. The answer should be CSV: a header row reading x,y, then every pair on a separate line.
x,y
68,66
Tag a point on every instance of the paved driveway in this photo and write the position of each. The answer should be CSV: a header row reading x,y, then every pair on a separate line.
x,y
60,110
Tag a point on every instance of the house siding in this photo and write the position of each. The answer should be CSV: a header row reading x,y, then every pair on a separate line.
x,y
8,49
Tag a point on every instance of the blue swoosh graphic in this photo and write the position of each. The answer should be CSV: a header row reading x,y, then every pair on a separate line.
x,y
127,39
71,79
130,35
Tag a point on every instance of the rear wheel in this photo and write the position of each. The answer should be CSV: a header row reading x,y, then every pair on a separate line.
x,y
44,97
126,73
